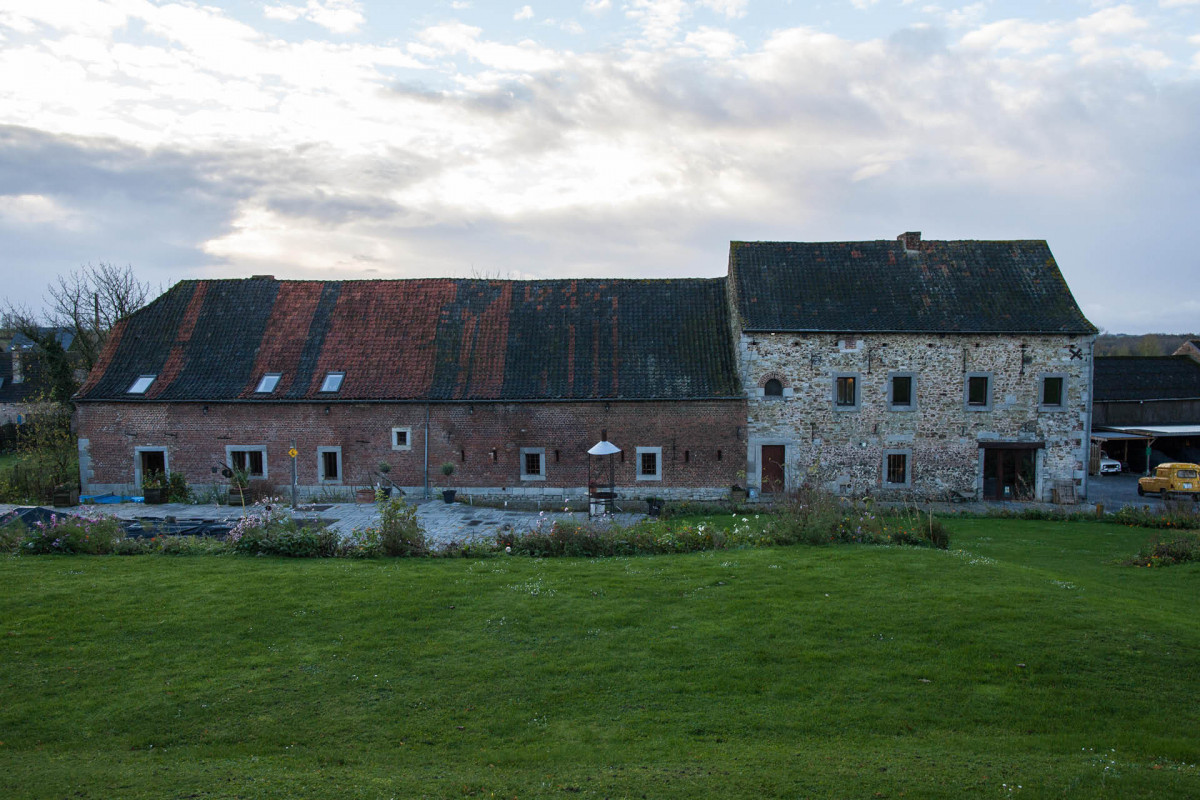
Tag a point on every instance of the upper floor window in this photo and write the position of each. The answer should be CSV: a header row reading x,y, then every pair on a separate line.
x,y
268,382
978,391
773,388
140,385
402,438
332,382
846,392
902,391
1053,393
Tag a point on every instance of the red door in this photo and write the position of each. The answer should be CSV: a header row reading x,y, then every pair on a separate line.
x,y
772,468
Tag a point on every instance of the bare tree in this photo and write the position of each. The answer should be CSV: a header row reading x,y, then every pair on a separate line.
x,y
87,303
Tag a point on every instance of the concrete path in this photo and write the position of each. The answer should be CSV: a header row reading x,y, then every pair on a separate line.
x,y
443,523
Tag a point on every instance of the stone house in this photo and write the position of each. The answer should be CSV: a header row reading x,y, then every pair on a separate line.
x,y
932,369
509,381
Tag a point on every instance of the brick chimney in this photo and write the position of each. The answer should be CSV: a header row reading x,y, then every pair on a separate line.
x,y
912,241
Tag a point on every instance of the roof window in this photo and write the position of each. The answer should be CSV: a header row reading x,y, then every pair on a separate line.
x,y
332,382
268,382
140,385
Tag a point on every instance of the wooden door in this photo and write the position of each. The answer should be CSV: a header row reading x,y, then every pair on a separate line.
x,y
773,479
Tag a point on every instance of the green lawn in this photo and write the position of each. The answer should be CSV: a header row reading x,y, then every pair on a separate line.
x,y
1024,657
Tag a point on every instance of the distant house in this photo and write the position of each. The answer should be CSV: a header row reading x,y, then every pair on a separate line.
x,y
899,368
21,372
1190,348
910,367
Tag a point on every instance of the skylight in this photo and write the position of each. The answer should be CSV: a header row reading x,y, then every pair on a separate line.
x,y
333,381
268,383
140,385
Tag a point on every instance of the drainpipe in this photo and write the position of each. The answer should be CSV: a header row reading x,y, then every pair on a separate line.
x,y
427,451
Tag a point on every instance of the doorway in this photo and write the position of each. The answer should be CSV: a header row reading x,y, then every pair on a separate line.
x,y
773,478
1009,473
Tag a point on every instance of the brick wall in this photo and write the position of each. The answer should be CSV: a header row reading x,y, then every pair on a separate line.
x,y
845,450
484,441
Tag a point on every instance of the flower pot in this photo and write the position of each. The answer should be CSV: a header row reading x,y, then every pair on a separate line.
x,y
65,497
654,507
364,495
154,496
238,496
448,495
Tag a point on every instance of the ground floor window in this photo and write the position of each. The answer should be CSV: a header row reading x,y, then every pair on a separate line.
x,y
251,460
147,460
533,463
329,464
402,438
649,463
896,466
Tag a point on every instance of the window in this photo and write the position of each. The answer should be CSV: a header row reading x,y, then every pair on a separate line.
x,y
402,438
533,463
251,459
845,392
332,382
773,388
649,463
268,382
147,460
1054,394
978,391
896,468
140,385
902,391
329,464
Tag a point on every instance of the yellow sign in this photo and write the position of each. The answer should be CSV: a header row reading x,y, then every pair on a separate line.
x,y
293,452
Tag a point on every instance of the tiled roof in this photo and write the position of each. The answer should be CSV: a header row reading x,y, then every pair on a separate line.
x,y
426,340
1119,378
939,287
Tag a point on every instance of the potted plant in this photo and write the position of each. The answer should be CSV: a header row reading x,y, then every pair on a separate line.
x,y
654,506
364,494
385,483
154,487
65,495
448,493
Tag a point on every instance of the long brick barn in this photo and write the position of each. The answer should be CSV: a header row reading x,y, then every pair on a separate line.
x,y
906,368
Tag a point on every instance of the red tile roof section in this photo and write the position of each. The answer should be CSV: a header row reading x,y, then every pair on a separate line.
x,y
283,340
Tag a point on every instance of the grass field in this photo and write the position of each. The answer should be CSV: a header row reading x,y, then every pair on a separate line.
x,y
1023,662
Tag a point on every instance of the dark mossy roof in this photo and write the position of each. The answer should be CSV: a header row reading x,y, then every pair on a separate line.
x,y
941,287
435,339
1118,378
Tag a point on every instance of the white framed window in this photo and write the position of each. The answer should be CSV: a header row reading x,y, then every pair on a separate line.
x,y
847,391
902,391
533,463
649,463
897,468
141,384
977,391
1052,394
402,438
149,459
252,459
329,464
268,382
332,382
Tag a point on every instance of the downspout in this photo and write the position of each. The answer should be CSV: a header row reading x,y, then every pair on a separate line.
x,y
1086,445
427,451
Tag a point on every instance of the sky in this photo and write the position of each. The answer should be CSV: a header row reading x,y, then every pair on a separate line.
x,y
339,139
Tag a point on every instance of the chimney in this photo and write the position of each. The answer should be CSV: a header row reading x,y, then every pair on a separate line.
x,y
912,241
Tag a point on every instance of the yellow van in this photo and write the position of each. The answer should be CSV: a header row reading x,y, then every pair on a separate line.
x,y
1172,478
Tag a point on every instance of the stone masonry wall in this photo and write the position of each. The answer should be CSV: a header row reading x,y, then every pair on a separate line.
x,y
702,443
845,450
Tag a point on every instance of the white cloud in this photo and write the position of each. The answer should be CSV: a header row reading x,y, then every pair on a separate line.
x,y
597,6
36,209
713,42
525,12
732,9
337,16
460,5
659,19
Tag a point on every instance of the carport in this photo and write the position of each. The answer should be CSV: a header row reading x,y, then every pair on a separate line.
x,y
1136,443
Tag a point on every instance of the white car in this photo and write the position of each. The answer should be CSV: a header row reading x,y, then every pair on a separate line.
x,y
1109,466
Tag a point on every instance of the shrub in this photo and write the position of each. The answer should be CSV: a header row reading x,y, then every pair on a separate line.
x,y
1174,515
400,533
266,531
64,533
178,490
1163,551
11,536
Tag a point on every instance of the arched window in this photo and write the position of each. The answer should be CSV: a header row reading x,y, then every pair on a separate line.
x,y
773,388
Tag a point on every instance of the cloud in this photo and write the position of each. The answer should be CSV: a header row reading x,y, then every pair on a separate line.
x,y
337,16
659,19
525,12
731,9
26,210
597,6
